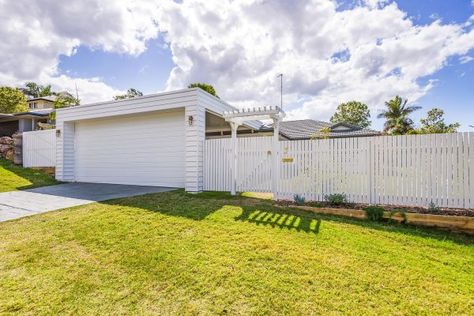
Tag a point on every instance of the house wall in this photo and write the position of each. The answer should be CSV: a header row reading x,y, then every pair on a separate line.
x,y
65,151
40,104
25,125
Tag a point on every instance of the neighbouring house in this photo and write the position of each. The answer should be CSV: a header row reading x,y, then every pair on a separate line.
x,y
298,130
42,102
38,112
310,129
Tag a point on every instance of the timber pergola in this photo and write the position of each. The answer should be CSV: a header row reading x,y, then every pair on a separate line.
x,y
237,118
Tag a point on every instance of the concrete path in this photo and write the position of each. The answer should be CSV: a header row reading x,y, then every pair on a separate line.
x,y
16,204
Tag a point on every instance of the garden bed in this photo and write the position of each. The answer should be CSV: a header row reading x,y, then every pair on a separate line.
x,y
393,208
456,223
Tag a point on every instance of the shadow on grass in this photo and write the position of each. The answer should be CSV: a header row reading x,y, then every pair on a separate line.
x,y
278,218
263,213
36,177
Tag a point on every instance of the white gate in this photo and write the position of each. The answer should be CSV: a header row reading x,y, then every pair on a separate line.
x,y
254,164
39,148
398,170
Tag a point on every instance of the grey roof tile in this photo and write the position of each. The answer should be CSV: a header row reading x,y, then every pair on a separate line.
x,y
307,129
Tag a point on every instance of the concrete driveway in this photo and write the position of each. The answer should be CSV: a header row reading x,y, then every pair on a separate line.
x,y
16,204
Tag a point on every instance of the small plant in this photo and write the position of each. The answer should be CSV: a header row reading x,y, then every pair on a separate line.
x,y
402,213
336,198
314,204
433,208
374,213
298,199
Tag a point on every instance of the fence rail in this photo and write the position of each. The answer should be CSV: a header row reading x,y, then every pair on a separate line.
x,y
398,170
39,148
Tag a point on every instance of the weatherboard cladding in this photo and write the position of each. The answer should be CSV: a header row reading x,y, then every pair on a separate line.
x,y
194,101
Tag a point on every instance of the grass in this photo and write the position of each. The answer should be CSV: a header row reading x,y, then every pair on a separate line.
x,y
210,254
14,177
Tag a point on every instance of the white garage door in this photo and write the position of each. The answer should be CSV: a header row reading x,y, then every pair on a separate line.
x,y
141,150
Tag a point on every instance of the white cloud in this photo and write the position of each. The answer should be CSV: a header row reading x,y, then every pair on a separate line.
x,y
368,53
35,33
465,59
240,47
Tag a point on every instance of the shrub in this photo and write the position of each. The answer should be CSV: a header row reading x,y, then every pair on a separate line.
x,y
299,200
433,208
314,204
402,213
336,198
374,213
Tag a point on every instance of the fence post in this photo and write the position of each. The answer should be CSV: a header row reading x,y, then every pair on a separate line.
x,y
276,149
370,170
234,126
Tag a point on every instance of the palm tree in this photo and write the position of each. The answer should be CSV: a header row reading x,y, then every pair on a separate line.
x,y
396,116
34,90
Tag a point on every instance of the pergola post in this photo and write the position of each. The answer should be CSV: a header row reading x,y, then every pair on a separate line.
x,y
234,126
239,117
276,157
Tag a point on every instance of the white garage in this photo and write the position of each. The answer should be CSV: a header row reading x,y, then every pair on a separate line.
x,y
144,149
151,140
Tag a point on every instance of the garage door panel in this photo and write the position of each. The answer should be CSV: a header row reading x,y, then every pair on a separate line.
x,y
143,150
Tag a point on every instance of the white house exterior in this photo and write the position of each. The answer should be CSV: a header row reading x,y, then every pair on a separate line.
x,y
151,140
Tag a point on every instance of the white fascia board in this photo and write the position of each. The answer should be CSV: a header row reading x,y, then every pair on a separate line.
x,y
148,103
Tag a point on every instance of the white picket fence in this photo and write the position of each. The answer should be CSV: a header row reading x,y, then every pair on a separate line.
x,y
398,170
39,148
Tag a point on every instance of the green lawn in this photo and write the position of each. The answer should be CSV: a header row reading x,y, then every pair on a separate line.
x,y
14,177
176,253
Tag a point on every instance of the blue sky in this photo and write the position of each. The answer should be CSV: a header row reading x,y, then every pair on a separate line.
x,y
147,72
241,54
454,89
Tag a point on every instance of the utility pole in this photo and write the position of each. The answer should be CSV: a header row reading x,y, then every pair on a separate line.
x,y
281,91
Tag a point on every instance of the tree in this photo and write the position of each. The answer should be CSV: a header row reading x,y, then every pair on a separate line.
x,y
396,117
434,123
323,133
353,112
131,93
12,100
33,90
204,86
63,99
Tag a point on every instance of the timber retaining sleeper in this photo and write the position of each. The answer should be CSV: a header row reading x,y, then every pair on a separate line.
x,y
456,223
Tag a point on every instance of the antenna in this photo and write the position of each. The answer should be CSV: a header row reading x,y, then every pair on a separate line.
x,y
281,91
77,94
